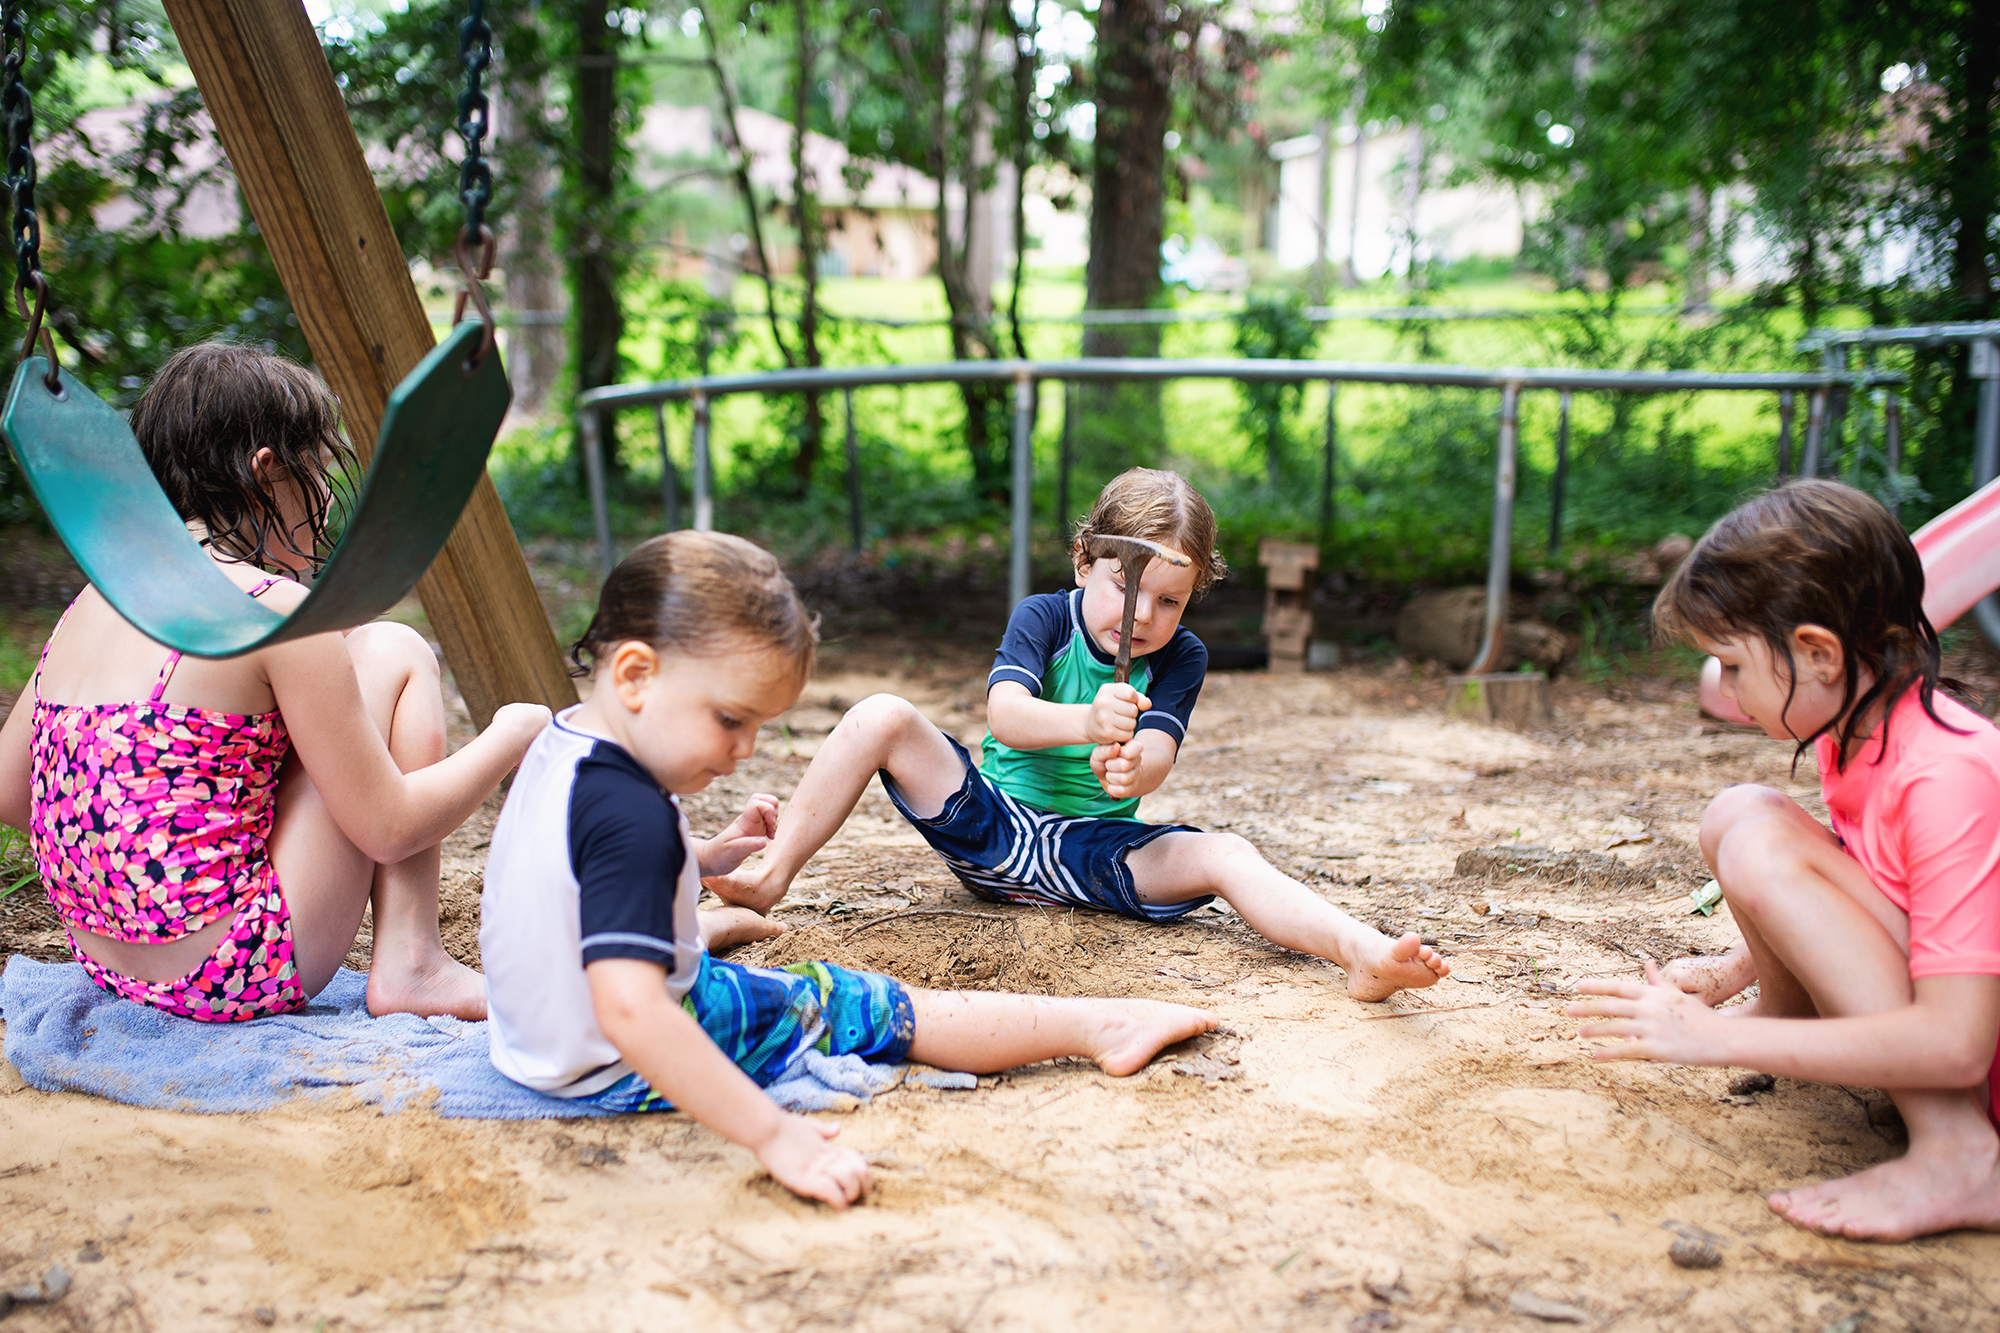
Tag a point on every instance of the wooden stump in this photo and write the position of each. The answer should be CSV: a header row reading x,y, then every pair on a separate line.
x,y
1516,699
1287,600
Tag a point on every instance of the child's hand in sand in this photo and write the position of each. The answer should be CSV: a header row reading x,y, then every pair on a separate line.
x,y
748,834
1114,715
799,1157
1117,768
1657,1020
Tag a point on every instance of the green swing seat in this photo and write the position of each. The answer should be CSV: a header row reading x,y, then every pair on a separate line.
x,y
93,482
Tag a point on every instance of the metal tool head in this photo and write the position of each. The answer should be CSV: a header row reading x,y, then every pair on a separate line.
x,y
1149,550
1137,554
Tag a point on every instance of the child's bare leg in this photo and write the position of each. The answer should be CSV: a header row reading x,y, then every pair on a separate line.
x,y
881,732
327,881
1178,866
1827,942
984,1031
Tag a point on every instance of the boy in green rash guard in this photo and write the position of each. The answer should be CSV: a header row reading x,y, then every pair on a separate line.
x,y
1048,816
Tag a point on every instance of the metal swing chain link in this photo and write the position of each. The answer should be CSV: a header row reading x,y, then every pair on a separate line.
x,y
24,225
475,178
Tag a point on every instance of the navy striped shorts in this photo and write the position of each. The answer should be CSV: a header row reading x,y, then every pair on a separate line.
x,y
1007,852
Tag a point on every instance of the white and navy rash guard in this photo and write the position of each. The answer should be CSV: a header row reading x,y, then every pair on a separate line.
x,y
590,860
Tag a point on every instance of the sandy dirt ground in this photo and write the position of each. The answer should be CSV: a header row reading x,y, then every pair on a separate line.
x,y
1449,1160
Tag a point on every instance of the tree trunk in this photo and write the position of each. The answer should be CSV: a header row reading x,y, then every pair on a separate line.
x,y
1973,189
600,323
1120,424
527,250
805,215
1700,205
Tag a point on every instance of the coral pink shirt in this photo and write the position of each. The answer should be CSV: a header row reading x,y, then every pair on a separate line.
x,y
1923,819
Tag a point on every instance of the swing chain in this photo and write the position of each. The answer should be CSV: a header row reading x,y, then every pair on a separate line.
x,y
476,244
26,227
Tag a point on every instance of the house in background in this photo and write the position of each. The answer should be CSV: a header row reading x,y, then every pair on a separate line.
x,y
887,228
881,217
1354,201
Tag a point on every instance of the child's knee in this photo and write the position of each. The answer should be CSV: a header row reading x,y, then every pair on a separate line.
x,y
883,719
386,648
1226,849
1732,808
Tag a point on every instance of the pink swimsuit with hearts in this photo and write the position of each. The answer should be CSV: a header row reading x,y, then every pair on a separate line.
x,y
148,822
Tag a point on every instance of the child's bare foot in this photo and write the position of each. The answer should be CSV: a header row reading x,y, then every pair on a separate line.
x,y
438,984
1382,966
1943,1183
726,927
1713,980
1134,1031
751,888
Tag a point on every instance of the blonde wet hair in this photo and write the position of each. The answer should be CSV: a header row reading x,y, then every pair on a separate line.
x,y
1159,506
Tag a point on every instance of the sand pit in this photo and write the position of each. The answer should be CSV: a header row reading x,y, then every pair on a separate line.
x,y
1451,1159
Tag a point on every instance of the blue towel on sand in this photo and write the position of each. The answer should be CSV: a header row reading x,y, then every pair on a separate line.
x,y
66,1035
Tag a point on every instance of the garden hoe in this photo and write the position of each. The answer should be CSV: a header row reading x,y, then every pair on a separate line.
x,y
1134,554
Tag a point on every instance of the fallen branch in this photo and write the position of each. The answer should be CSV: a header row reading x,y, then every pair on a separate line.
x,y
927,911
1419,1013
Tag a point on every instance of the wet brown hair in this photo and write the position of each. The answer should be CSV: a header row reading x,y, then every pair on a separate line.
x,y
1814,553
700,594
201,421
1158,506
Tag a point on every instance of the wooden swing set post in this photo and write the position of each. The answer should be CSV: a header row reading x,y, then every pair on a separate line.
x,y
266,82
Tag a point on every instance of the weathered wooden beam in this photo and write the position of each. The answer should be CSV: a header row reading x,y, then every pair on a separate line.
x,y
266,82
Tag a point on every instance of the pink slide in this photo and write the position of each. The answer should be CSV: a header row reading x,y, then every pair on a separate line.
x,y
1960,549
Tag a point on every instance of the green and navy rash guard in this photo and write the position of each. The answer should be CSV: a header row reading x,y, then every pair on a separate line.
x,y
1048,650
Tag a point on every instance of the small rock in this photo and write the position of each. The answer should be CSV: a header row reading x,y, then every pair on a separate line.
x,y
55,1283
1370,1321
264,1315
26,1294
1687,1252
1750,1083
1482,908
1493,1243
90,1254
598,1154
1546,1310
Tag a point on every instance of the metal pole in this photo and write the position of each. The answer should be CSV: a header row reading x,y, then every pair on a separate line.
x,y
1062,465
670,480
1834,359
1815,433
853,477
1024,478
1327,473
704,502
1562,476
1985,367
1500,553
1785,411
593,470
1892,431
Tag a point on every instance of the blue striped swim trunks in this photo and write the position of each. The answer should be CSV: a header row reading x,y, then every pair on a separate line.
x,y
764,1017
1007,852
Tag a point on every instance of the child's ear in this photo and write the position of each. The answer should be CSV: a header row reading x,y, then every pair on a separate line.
x,y
633,665
1819,653
1081,555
